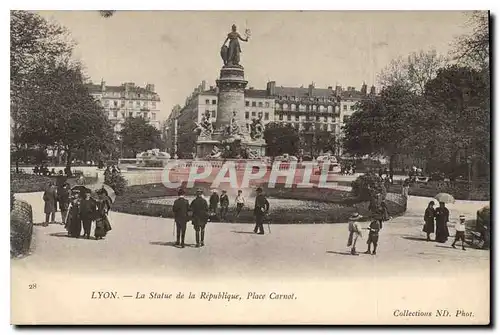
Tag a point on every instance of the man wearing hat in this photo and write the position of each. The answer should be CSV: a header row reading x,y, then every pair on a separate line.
x,y
354,232
199,208
460,232
260,210
87,213
214,203
224,204
181,217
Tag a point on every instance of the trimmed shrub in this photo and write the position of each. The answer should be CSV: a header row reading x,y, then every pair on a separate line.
x,y
365,184
116,181
21,228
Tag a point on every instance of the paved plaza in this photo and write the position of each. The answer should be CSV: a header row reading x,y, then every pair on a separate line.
x,y
144,244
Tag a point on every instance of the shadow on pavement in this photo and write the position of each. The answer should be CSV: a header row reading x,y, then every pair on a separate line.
x,y
61,234
413,238
169,244
343,253
242,232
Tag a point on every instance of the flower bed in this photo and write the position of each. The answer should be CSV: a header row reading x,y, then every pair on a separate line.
x,y
25,183
150,200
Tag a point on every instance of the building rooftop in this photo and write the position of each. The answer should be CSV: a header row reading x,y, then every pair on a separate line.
x,y
303,92
96,88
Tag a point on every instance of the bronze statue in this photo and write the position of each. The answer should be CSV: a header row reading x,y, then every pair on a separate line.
x,y
257,128
231,54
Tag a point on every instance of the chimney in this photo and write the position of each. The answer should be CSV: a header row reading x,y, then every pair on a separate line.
x,y
330,88
211,88
364,89
251,88
310,91
150,88
372,90
103,85
271,88
217,90
203,85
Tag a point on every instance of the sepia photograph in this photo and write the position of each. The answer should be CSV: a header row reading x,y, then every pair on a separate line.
x,y
250,167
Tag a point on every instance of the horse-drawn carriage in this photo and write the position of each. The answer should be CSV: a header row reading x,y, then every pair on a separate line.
x,y
478,233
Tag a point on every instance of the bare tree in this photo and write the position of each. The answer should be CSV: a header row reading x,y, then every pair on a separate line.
x,y
413,72
473,50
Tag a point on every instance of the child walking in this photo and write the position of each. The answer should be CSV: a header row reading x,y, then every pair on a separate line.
x,y
460,232
374,228
354,232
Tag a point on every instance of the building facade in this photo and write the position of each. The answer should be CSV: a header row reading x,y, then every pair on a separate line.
x,y
308,110
128,100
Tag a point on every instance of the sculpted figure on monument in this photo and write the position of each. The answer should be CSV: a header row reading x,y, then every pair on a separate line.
x,y
204,128
233,128
257,128
231,53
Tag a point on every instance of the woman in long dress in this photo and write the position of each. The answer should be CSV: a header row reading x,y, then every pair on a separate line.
x,y
442,217
429,217
102,225
74,221
234,49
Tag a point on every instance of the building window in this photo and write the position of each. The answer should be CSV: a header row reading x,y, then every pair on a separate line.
x,y
123,115
115,114
302,108
145,104
153,104
106,103
285,107
247,103
145,115
137,104
296,118
260,104
293,107
281,117
267,104
266,116
253,114
289,117
326,119
130,114
207,102
312,108
254,104
115,103
213,113
247,115
122,103
330,109
325,127
317,118
321,108
214,102
153,116
131,104
345,107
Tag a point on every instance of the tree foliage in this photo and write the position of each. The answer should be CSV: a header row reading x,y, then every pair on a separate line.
x,y
473,49
281,139
138,135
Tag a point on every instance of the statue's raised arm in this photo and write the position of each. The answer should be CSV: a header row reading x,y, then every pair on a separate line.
x,y
231,54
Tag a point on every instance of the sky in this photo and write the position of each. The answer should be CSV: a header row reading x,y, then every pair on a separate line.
x,y
176,50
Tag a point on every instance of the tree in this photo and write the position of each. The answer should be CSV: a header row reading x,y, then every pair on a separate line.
x,y
138,136
459,117
383,124
281,139
316,141
474,49
413,72
33,42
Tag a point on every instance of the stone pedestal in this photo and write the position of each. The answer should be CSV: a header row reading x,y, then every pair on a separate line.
x,y
204,147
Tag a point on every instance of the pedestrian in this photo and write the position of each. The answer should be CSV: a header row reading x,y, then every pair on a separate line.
x,y
224,205
354,232
87,213
50,199
102,225
214,203
373,233
442,217
181,216
240,203
384,214
73,220
429,217
199,208
405,191
260,210
63,198
460,232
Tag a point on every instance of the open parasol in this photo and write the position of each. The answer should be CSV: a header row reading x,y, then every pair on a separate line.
x,y
108,190
445,197
81,189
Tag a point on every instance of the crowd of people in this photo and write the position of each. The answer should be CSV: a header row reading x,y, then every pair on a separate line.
x,y
200,212
78,210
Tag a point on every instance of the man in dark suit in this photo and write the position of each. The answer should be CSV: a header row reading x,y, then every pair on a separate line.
x,y
87,213
181,216
199,208
214,203
260,210
63,198
224,204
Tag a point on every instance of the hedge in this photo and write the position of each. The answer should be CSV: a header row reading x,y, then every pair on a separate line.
x,y
133,201
26,183
21,228
459,190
